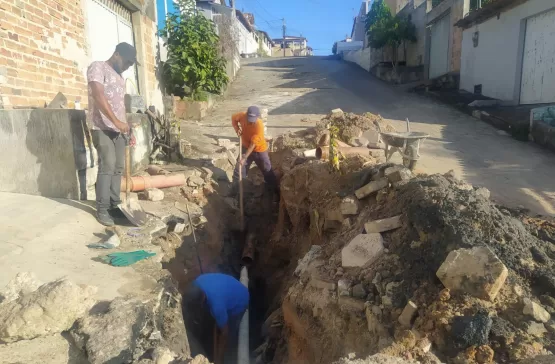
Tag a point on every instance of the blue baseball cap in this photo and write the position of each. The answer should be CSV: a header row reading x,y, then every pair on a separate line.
x,y
253,114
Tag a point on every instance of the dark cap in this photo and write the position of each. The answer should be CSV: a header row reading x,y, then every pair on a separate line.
x,y
127,52
253,113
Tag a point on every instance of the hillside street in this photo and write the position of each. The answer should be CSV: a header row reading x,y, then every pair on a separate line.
x,y
517,173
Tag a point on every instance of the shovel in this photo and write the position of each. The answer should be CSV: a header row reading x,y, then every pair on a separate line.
x,y
131,207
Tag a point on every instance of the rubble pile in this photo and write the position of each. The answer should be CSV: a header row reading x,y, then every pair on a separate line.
x,y
414,268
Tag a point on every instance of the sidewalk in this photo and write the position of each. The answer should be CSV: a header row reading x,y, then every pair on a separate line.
x,y
48,237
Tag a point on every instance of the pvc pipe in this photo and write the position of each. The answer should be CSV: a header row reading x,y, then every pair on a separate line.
x,y
243,354
248,251
310,153
323,153
142,183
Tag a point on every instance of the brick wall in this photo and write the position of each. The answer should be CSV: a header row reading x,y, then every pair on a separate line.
x,y
150,40
42,51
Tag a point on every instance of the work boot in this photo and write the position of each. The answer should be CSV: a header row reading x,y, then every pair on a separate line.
x,y
116,214
105,219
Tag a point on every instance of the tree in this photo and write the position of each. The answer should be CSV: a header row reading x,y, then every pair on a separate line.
x,y
383,30
334,48
193,52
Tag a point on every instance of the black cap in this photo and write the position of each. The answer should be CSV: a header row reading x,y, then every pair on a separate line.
x,y
127,52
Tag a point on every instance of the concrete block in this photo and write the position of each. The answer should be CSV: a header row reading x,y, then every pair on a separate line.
x,y
134,104
379,226
408,314
397,174
362,251
371,187
475,271
349,206
154,194
536,311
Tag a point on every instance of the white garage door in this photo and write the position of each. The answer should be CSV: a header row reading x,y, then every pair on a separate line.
x,y
439,48
538,74
109,24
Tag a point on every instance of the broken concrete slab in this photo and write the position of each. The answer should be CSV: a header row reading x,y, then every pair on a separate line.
x,y
362,251
382,225
475,271
337,113
154,194
536,311
372,135
303,264
371,187
22,284
51,309
408,314
397,174
111,337
349,206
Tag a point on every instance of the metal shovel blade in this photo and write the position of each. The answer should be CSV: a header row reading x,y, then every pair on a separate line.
x,y
133,210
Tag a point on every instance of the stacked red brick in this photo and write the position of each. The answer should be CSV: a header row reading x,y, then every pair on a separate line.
x,y
42,52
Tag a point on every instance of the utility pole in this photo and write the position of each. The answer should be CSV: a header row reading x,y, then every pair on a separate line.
x,y
284,54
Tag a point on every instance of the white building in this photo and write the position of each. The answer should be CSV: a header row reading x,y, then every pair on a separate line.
x,y
508,51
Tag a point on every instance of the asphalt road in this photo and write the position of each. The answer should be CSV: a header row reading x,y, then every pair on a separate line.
x,y
299,91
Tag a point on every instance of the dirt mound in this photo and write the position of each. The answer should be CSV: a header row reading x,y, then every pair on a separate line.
x,y
350,126
327,306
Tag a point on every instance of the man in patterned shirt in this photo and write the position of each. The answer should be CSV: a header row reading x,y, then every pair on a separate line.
x,y
107,115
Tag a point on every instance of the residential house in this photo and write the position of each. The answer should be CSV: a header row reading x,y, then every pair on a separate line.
x,y
243,32
413,53
47,46
294,46
265,43
444,39
508,48
358,33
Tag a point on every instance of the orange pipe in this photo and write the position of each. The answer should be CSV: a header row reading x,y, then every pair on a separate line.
x,y
322,153
142,183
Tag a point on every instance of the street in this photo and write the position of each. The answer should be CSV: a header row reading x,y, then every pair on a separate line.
x,y
295,89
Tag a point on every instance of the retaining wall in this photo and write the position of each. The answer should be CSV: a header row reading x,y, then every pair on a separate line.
x,y
49,152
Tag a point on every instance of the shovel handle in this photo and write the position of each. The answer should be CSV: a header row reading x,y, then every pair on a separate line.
x,y
127,169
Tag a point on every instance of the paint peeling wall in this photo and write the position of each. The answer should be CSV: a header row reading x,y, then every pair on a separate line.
x,y
496,61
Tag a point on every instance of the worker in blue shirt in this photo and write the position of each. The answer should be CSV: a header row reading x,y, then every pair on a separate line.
x,y
226,298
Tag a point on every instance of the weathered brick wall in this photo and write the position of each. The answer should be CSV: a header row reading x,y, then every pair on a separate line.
x,y
150,40
42,51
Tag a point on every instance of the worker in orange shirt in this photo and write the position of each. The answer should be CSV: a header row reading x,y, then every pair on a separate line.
x,y
250,128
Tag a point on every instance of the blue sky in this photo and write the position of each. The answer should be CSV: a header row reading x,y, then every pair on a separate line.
x,y
322,22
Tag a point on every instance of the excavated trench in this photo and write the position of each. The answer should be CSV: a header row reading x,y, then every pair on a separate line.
x,y
221,248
